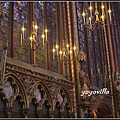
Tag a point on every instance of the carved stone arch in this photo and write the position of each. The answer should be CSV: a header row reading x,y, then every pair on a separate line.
x,y
66,100
101,98
10,90
17,106
102,111
101,106
22,91
47,95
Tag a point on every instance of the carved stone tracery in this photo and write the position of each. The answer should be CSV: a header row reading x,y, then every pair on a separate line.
x,y
30,85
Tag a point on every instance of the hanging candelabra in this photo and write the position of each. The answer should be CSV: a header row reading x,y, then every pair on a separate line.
x,y
61,54
33,43
97,16
66,53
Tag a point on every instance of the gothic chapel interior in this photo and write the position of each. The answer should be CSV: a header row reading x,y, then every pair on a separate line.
x,y
59,59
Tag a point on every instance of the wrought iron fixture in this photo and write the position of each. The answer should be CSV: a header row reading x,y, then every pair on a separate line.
x,y
97,15
66,53
34,34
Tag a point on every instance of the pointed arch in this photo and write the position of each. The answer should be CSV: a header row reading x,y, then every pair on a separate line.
x,y
21,87
103,111
50,100
69,102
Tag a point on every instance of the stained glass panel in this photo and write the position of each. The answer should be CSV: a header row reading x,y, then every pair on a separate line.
x,y
52,27
115,38
20,18
4,23
40,50
80,26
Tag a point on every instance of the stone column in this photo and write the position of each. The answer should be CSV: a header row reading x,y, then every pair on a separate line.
x,y
8,111
39,113
62,114
51,113
71,114
25,112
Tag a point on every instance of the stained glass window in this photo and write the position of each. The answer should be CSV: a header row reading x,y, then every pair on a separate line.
x,y
91,47
40,50
4,23
81,30
97,58
52,27
91,39
20,18
116,43
80,26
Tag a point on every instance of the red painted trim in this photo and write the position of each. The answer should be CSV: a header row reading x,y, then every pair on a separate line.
x,y
30,23
12,30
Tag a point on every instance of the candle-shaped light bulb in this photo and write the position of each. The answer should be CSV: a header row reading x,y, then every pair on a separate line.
x,y
90,7
57,48
102,6
36,27
23,29
46,34
43,36
90,12
70,51
109,12
74,48
98,71
31,39
60,55
102,17
67,45
31,42
67,48
21,40
90,20
83,14
53,53
34,38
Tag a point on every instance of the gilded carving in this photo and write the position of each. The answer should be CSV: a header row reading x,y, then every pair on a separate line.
x,y
50,90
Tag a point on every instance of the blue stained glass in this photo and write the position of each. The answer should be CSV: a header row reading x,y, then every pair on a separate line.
x,y
20,17
4,23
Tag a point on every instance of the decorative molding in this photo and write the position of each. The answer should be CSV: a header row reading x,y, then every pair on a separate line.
x,y
96,100
31,80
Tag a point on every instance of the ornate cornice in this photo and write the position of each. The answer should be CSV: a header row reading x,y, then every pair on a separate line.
x,y
37,75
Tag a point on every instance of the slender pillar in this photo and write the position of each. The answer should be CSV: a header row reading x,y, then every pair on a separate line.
x,y
69,18
48,43
68,71
60,35
12,29
31,9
